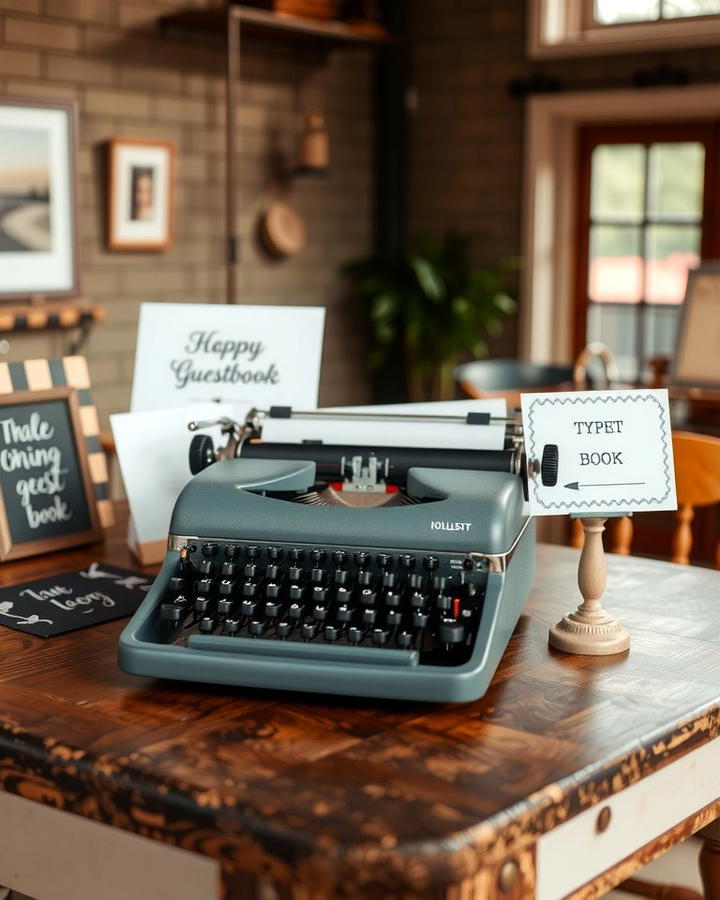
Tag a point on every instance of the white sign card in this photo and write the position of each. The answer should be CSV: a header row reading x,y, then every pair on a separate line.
x,y
152,452
398,433
599,452
190,353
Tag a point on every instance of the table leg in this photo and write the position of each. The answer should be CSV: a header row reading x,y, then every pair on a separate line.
x,y
710,866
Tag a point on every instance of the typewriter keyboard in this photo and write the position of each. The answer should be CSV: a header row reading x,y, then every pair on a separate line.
x,y
428,602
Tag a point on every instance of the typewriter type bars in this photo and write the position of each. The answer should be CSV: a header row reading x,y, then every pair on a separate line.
x,y
339,568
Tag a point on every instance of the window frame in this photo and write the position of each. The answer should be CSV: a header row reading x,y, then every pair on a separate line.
x,y
568,28
703,131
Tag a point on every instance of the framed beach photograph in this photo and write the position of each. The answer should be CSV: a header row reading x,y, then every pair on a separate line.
x,y
38,223
696,361
140,194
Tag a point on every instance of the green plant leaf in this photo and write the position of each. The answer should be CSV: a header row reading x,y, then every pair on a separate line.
x,y
428,278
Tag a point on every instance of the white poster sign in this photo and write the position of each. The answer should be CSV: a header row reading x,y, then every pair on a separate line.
x,y
599,451
257,355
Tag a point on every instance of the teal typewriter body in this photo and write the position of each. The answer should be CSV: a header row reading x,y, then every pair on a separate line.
x,y
273,579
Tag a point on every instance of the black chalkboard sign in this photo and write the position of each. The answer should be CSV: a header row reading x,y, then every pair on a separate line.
x,y
46,495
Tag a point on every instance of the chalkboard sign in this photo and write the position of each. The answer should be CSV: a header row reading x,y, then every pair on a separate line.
x,y
46,494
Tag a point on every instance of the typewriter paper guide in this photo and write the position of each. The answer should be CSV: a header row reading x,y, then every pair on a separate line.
x,y
254,355
613,450
398,434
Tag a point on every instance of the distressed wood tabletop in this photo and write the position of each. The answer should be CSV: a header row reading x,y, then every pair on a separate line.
x,y
322,797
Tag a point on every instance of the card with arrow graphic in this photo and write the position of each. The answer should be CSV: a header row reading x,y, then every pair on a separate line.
x,y
592,452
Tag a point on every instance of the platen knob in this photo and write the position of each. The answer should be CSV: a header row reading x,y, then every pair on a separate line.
x,y
549,465
201,453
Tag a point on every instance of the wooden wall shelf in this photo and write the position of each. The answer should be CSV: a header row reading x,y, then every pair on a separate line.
x,y
49,315
213,23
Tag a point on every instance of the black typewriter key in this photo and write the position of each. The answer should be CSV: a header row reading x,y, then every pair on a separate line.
x,y
283,629
394,617
320,612
331,633
362,558
203,586
274,553
249,589
295,573
295,592
355,634
296,611
389,579
407,561
206,566
318,556
431,563
339,557
225,587
207,624
272,609
171,612
369,615
405,639
319,594
415,581
365,578
340,576
418,600
231,626
272,571
392,599
296,554
248,607
252,552
451,631
317,576
272,591
231,551
439,583
308,631
227,570
343,594
209,549
468,564
380,636
224,606
201,604
182,601
443,602
420,618
384,560
343,613
176,583
250,570
368,597
257,627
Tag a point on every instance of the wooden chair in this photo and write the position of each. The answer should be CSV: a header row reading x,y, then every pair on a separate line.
x,y
697,480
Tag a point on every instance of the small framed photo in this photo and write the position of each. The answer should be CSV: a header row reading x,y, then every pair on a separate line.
x,y
697,350
140,194
38,222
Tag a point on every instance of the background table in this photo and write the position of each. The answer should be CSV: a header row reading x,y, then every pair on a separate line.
x,y
287,795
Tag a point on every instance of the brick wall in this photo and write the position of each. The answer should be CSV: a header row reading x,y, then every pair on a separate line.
x,y
130,80
467,134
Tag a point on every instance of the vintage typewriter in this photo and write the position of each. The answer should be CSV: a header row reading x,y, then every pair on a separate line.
x,y
359,568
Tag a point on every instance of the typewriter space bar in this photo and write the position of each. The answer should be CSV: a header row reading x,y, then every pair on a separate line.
x,y
291,650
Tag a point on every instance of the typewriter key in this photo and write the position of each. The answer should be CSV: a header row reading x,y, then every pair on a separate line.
x,y
283,629
272,571
201,604
431,563
355,634
176,583
407,561
225,587
405,639
250,571
296,554
252,552
295,573
380,636
296,611
362,558
257,627
272,591
318,556
224,606
247,607
343,613
203,586
272,609
340,576
331,633
339,557
274,553
369,615
420,619
394,617
389,579
451,631
171,612
227,570
416,582
368,597
320,612
392,599
443,602
308,631
207,624
295,592
384,560
231,626
249,589
365,578
417,600
231,552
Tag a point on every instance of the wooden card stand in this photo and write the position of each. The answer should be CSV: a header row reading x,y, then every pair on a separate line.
x,y
147,553
590,630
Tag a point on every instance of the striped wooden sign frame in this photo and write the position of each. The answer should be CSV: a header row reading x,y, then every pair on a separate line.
x,y
68,372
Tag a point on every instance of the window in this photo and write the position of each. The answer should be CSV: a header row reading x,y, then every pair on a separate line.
x,y
644,218
570,27
614,12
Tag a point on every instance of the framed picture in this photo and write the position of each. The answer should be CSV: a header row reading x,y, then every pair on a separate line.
x,y
140,194
696,361
38,221
53,472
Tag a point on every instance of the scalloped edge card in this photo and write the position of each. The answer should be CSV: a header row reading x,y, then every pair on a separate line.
x,y
592,452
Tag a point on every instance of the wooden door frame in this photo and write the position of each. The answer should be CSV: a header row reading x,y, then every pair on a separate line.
x,y
549,242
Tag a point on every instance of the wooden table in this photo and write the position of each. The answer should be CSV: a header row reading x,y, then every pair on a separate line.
x,y
298,796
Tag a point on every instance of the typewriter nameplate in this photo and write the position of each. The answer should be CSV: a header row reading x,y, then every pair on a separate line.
x,y
605,451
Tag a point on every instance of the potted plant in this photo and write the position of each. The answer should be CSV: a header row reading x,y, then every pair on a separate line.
x,y
430,305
